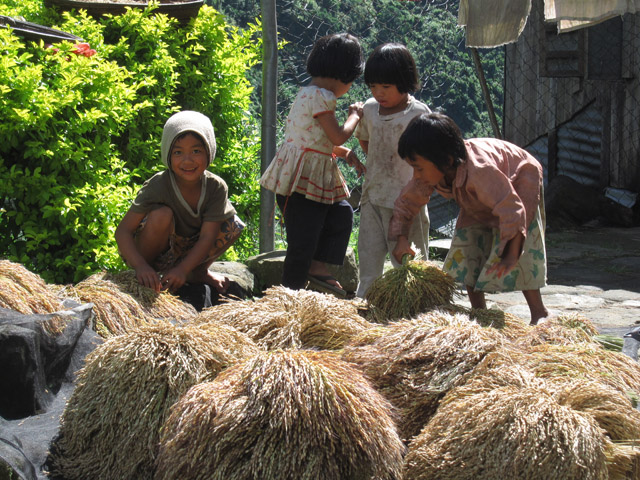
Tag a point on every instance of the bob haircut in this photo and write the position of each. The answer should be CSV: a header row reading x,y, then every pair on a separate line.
x,y
392,63
337,56
436,137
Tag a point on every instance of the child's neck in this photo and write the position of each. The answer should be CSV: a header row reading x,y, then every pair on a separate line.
x,y
399,107
190,191
331,84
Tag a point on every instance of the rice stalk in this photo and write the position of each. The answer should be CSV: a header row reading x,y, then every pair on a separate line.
x,y
404,292
416,362
285,318
110,428
24,291
281,415
508,432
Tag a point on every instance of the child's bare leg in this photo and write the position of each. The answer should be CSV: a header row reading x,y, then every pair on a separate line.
x,y
537,308
153,239
320,269
476,298
202,274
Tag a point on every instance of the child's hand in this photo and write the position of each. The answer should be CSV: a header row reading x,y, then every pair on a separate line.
x,y
353,161
174,279
402,247
356,109
510,257
148,277
503,267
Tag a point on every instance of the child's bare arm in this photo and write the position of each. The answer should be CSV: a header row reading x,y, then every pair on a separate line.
x,y
402,248
177,276
364,144
351,158
125,232
335,132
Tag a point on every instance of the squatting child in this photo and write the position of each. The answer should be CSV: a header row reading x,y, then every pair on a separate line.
x,y
498,244
181,219
310,190
391,74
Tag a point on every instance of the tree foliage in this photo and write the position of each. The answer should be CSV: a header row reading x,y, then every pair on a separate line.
x,y
80,134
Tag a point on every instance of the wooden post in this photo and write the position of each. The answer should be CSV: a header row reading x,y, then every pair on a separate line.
x,y
486,93
269,103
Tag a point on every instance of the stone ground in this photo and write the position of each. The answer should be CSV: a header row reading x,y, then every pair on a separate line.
x,y
591,271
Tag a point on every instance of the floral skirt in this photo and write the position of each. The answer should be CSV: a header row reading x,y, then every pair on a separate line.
x,y
474,249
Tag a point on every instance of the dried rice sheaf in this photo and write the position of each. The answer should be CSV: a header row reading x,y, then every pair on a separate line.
x,y
24,291
508,432
110,428
416,362
408,290
280,415
285,318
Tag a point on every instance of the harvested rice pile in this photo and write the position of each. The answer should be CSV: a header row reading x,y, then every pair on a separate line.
x,y
508,432
24,291
415,362
281,415
158,305
511,326
115,312
110,428
285,318
582,362
404,292
555,331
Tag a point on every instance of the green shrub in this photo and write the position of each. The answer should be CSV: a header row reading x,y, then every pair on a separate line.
x,y
80,134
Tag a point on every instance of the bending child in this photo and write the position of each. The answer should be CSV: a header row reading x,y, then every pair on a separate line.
x,y
498,244
310,190
391,74
181,219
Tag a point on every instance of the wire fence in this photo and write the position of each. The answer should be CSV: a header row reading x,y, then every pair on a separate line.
x,y
572,99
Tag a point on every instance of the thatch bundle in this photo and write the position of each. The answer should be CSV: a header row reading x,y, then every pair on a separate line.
x,y
285,318
508,432
280,415
415,362
404,292
24,291
110,427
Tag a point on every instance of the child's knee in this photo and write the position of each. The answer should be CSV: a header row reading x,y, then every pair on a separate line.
x,y
160,219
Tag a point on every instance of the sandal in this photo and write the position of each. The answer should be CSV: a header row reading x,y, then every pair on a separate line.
x,y
320,283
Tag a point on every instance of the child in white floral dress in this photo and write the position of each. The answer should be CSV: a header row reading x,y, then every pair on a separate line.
x,y
310,190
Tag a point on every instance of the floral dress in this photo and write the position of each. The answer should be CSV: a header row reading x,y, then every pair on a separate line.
x,y
305,162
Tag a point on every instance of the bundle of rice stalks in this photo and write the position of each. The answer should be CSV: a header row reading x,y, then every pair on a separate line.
x,y
511,326
615,343
281,415
577,321
582,362
158,305
115,312
415,287
508,432
110,428
416,362
285,318
24,291
554,331
237,343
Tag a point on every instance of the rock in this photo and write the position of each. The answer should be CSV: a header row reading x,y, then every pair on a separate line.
x,y
35,361
267,270
238,273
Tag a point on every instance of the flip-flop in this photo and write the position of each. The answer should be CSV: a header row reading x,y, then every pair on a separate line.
x,y
319,282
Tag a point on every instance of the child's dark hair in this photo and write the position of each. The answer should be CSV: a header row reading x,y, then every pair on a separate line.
x,y
435,137
337,56
392,63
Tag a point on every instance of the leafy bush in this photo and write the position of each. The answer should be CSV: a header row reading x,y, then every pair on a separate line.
x,y
80,134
